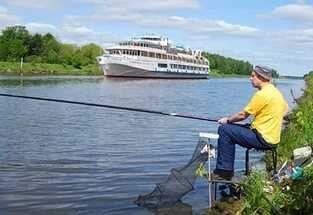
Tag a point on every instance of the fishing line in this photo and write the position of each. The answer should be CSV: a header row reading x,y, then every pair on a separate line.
x,y
110,106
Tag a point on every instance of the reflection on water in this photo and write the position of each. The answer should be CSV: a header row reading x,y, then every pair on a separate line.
x,y
6,81
69,159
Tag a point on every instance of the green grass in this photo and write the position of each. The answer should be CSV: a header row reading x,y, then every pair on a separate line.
x,y
13,68
299,132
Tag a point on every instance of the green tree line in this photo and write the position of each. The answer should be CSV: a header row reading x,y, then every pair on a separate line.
x,y
16,43
226,65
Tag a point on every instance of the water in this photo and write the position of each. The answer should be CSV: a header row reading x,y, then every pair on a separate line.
x,y
69,159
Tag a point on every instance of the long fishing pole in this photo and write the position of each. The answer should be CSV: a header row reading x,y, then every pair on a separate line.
x,y
109,106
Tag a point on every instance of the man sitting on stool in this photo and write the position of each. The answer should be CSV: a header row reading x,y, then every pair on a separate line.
x,y
268,107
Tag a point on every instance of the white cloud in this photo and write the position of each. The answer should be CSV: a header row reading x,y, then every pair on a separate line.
x,y
41,28
143,5
154,14
298,38
76,30
188,25
297,12
7,18
36,4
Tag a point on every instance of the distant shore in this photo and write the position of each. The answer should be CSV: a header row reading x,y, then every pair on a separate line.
x,y
33,69
30,69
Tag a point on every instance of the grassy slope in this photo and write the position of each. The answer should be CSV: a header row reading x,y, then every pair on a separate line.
x,y
13,68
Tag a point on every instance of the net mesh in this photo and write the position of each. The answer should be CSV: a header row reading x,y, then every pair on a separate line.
x,y
179,182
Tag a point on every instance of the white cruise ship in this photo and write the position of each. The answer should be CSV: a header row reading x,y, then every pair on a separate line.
x,y
153,57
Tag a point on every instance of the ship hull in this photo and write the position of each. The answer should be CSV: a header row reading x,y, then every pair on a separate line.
x,y
120,70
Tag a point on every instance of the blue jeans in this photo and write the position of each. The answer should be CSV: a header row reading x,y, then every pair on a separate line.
x,y
229,136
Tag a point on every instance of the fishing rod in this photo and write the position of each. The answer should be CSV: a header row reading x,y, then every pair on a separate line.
x,y
109,106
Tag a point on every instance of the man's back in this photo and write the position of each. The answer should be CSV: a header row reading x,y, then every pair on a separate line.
x,y
268,108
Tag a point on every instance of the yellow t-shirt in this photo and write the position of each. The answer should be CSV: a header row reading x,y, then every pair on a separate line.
x,y
268,107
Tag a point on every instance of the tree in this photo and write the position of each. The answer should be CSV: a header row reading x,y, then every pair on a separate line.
x,y
228,65
14,43
67,52
36,45
51,49
89,53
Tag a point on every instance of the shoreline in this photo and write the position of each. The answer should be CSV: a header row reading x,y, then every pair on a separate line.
x,y
45,69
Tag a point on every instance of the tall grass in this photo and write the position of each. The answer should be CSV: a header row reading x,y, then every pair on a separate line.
x,y
256,200
299,132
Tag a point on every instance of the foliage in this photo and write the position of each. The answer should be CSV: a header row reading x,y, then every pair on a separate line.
x,y
229,66
256,200
14,43
13,68
300,196
17,43
299,132
201,171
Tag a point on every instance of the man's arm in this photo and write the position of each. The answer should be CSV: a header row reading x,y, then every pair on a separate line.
x,y
236,117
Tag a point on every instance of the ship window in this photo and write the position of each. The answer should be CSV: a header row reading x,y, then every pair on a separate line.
x,y
145,54
162,65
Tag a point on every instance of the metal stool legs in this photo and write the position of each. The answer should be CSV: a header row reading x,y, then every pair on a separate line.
x,y
274,156
247,162
274,162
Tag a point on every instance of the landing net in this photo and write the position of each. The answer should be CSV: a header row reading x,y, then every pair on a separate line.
x,y
179,182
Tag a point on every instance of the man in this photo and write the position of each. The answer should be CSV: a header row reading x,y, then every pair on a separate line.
x,y
268,108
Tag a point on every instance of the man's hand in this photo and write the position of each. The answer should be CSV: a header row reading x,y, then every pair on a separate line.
x,y
223,120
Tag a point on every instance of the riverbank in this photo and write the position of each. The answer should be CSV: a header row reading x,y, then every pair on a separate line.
x,y
32,69
218,74
28,69
281,198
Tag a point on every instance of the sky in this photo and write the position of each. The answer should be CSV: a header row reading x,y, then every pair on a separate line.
x,y
275,33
